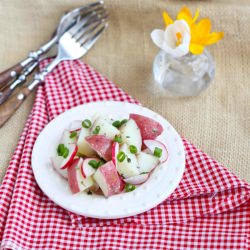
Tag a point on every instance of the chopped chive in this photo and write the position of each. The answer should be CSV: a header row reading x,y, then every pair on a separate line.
x,y
158,152
86,123
123,121
73,135
100,163
96,130
93,164
60,149
133,149
121,156
144,173
116,124
66,152
129,187
118,138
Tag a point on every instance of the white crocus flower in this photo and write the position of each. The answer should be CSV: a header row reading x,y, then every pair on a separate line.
x,y
174,40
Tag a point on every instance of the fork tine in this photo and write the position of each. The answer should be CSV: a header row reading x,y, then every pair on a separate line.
x,y
88,43
79,24
88,27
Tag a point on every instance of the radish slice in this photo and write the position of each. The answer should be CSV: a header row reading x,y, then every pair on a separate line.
x,y
138,179
72,153
57,162
147,162
152,144
75,126
86,169
76,182
115,150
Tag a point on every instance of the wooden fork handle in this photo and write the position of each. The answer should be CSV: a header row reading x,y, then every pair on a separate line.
x,y
8,108
10,74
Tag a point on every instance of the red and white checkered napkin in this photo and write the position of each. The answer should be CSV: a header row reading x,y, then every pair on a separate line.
x,y
209,210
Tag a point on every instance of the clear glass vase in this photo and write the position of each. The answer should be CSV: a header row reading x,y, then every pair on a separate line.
x,y
184,76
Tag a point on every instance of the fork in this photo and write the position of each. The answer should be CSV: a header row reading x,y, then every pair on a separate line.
x,y
66,21
73,44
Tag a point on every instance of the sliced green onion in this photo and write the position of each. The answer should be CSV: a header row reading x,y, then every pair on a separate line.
x,y
60,149
86,123
124,121
158,152
118,138
116,124
93,164
73,135
133,149
96,130
100,163
121,156
129,187
66,152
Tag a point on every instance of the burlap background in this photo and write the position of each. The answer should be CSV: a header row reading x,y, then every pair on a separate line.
x,y
218,121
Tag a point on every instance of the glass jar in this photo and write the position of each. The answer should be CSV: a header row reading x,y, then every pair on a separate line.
x,y
184,76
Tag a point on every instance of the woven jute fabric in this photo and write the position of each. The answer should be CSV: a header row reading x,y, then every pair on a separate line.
x,y
217,121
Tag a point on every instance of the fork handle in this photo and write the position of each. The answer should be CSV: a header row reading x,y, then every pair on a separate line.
x,y
8,108
9,74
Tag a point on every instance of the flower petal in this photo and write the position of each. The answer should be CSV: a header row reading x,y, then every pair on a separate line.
x,y
197,12
186,15
212,38
196,49
158,37
167,19
201,30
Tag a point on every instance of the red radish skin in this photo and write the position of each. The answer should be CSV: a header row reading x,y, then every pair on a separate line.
x,y
102,145
151,144
70,158
86,173
72,177
149,128
115,150
108,179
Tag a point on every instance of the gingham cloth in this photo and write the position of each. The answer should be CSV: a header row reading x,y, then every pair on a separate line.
x,y
209,210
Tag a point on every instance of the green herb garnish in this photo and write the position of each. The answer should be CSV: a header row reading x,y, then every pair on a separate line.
x,y
93,164
129,187
121,156
86,123
96,130
118,138
62,151
133,149
96,164
123,121
73,134
158,152
116,124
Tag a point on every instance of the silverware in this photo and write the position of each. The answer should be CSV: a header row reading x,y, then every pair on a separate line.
x,y
73,44
65,23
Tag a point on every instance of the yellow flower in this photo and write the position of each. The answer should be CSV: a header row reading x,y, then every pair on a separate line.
x,y
200,32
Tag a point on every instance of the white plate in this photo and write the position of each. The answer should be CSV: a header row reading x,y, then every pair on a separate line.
x,y
158,187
